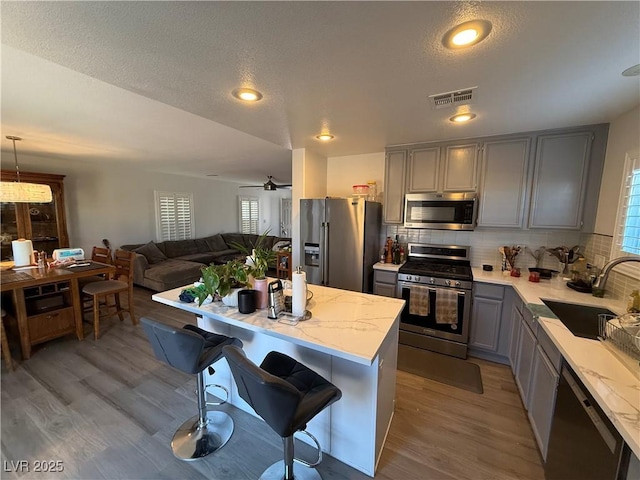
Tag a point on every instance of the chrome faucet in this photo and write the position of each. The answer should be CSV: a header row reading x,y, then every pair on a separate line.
x,y
601,281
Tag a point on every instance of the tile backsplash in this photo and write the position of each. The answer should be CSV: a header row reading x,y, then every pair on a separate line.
x,y
485,245
618,285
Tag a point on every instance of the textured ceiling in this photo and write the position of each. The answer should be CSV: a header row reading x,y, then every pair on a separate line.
x,y
150,82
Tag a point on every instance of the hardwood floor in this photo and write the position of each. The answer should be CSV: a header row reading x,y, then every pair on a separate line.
x,y
107,409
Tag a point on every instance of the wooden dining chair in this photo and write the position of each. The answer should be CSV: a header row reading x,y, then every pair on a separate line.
x,y
121,282
102,255
6,353
98,254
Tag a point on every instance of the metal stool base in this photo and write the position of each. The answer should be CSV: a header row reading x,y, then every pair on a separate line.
x,y
191,442
300,472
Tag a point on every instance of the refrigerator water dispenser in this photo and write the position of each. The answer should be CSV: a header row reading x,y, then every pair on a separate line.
x,y
312,254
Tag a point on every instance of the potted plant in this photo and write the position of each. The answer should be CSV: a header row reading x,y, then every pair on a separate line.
x,y
258,261
221,280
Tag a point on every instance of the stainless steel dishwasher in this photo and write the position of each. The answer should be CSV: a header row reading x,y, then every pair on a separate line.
x,y
583,442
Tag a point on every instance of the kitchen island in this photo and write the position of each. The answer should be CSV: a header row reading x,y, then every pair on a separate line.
x,y
614,385
351,339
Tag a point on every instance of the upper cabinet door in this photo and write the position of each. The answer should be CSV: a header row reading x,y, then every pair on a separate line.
x,y
460,168
424,169
503,183
560,176
394,186
44,224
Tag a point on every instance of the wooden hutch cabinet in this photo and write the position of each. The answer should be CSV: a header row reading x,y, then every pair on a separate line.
x,y
45,224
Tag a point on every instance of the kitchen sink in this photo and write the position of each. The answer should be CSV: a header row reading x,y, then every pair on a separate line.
x,y
581,320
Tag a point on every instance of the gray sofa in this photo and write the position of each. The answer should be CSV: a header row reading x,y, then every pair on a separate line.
x,y
171,264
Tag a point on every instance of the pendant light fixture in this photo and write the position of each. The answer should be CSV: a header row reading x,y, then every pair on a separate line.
x,y
19,192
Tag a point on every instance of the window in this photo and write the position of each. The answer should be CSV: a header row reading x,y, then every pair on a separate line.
x,y
626,239
174,216
249,213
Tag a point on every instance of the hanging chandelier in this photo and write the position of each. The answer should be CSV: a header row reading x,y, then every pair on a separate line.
x,y
20,192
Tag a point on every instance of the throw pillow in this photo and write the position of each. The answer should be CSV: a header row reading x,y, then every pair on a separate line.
x,y
151,252
216,243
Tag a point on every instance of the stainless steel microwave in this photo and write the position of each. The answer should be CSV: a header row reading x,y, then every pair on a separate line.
x,y
441,211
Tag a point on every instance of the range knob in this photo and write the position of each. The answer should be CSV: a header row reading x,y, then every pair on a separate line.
x,y
409,278
458,284
448,282
417,279
432,280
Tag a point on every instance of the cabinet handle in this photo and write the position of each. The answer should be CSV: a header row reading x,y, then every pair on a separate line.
x,y
53,315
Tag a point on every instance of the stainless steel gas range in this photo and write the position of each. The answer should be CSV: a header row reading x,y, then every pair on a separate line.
x,y
436,282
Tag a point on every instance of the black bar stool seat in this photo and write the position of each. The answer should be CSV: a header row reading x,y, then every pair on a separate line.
x,y
287,395
192,350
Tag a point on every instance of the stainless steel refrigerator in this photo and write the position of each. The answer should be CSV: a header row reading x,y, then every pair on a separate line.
x,y
339,241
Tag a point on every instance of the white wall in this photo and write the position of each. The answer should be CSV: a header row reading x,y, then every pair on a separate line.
x,y
309,174
117,202
624,136
345,172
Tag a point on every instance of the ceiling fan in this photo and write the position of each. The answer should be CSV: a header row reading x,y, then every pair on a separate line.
x,y
269,185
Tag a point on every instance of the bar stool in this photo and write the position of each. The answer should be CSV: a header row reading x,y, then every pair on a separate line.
x,y
192,350
287,395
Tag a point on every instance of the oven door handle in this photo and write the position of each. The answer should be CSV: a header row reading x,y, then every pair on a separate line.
x,y
459,292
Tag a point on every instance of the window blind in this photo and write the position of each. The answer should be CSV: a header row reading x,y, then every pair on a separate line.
x,y
174,216
249,213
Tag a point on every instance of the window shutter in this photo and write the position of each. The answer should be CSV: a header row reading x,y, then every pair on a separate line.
x,y
628,238
174,216
183,217
249,213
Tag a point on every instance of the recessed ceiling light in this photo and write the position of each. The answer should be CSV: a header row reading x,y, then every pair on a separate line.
x,y
247,94
467,34
325,137
632,71
462,117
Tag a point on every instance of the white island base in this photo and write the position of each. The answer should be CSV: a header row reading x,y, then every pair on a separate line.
x,y
351,340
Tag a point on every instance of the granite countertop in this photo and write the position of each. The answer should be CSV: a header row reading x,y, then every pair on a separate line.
x,y
344,324
614,385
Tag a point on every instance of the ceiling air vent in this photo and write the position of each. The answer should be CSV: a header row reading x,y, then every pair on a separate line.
x,y
454,98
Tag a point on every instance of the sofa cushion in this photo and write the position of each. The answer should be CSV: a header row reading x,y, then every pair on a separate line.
x,y
205,258
151,252
171,271
178,248
269,241
216,243
231,238
226,255
201,245
250,240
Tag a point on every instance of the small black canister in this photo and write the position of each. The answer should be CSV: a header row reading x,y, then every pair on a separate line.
x,y
247,301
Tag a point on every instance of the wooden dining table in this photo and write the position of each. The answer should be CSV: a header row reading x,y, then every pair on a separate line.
x,y
46,301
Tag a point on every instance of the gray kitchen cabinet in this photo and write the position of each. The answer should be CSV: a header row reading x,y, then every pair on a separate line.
x,y
460,168
385,283
394,186
559,180
544,384
485,326
524,361
424,170
503,182
541,180
516,325
490,327
443,168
